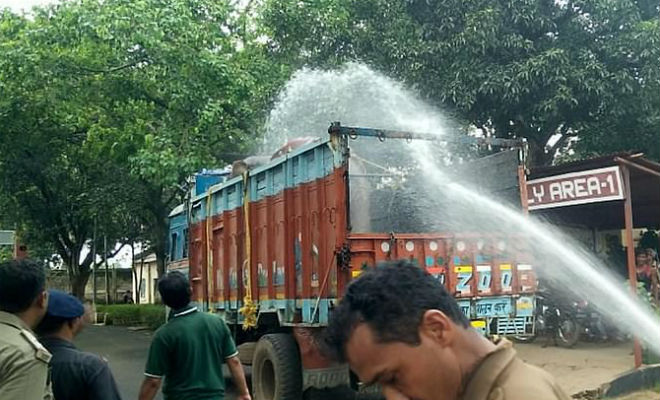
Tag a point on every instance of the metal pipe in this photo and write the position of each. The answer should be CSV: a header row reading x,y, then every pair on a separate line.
x,y
353,132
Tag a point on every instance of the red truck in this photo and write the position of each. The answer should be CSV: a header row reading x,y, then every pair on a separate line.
x,y
273,249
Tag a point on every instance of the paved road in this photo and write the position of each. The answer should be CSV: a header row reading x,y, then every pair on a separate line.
x,y
584,367
126,352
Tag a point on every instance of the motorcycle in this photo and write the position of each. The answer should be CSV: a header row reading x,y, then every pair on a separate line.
x,y
565,322
594,327
555,320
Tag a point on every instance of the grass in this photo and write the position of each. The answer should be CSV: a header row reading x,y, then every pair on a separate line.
x,y
149,315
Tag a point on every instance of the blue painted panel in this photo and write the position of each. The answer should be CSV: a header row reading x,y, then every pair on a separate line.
x,y
259,186
234,195
324,311
306,310
494,307
465,307
204,180
306,164
279,179
328,160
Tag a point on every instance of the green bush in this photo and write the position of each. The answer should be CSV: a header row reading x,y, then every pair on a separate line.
x,y
150,315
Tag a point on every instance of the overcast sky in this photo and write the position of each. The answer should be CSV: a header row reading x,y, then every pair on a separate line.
x,y
18,5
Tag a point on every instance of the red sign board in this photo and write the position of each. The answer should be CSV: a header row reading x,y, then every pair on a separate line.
x,y
591,186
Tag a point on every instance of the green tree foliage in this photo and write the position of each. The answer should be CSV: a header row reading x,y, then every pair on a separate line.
x,y
108,106
583,74
5,253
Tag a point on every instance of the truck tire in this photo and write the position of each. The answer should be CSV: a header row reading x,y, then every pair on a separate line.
x,y
276,370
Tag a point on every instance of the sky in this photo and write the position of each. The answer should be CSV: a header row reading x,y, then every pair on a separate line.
x,y
18,5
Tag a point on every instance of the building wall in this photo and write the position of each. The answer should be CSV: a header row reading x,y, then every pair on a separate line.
x,y
120,279
147,293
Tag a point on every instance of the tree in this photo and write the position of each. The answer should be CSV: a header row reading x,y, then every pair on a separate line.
x,y
579,74
110,106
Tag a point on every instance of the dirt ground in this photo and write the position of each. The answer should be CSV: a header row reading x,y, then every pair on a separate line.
x,y
584,367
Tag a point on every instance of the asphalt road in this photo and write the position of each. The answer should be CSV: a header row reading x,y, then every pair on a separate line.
x,y
126,352
584,367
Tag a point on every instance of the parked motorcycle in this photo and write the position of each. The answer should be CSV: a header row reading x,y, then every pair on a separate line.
x,y
555,320
565,322
594,327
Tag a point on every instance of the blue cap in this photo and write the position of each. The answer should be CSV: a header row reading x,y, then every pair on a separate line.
x,y
64,305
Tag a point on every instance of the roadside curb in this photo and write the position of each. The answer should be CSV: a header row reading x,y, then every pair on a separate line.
x,y
645,377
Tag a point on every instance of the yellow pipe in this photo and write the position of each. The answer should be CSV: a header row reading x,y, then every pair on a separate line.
x,y
209,254
249,309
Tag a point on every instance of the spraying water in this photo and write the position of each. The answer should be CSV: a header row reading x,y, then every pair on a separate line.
x,y
356,95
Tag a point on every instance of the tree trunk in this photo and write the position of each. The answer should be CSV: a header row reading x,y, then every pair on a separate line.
x,y
537,156
78,284
160,210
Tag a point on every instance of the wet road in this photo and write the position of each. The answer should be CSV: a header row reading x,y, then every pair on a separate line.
x,y
126,352
586,366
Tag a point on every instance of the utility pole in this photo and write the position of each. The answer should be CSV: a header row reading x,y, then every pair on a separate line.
x,y
94,264
107,278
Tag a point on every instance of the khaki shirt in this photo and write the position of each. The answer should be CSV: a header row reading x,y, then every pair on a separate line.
x,y
504,376
23,362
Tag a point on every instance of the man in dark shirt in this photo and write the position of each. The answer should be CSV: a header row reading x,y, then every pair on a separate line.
x,y
189,350
76,375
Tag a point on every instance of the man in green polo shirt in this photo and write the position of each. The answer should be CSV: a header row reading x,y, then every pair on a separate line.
x,y
189,350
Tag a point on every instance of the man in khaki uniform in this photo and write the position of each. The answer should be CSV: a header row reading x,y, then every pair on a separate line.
x,y
23,360
399,328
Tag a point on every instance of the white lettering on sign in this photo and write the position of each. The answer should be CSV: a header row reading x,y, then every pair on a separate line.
x,y
603,184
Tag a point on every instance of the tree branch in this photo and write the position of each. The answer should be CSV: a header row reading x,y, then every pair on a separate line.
x,y
109,70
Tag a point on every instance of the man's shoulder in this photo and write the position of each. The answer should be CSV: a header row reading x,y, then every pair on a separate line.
x,y
21,344
14,348
206,317
522,379
93,361
75,356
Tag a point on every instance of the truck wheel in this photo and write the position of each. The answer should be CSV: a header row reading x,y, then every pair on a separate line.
x,y
276,371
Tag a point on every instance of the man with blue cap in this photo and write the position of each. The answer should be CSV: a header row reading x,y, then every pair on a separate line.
x,y
75,374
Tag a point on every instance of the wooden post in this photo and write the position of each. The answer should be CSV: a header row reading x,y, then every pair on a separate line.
x,y
522,183
630,250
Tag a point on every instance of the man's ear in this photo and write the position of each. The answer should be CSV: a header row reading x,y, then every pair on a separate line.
x,y
42,300
438,327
